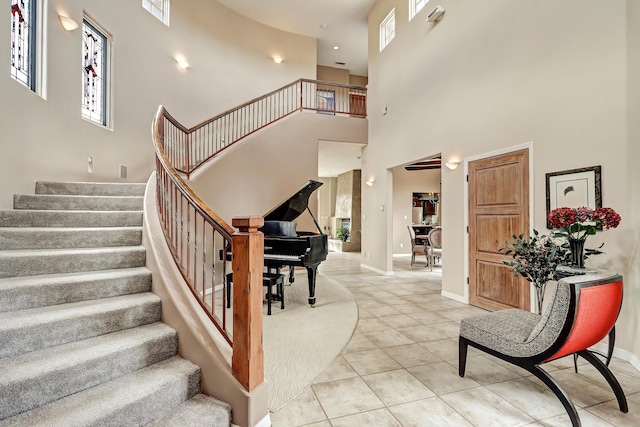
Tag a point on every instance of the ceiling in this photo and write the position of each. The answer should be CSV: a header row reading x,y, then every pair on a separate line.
x,y
345,22
340,23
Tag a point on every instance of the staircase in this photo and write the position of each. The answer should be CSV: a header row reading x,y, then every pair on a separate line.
x,y
81,341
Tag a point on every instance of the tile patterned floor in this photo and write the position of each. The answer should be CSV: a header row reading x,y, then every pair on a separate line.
x,y
400,367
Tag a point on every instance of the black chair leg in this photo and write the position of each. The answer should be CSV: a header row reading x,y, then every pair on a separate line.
x,y
608,375
462,356
543,376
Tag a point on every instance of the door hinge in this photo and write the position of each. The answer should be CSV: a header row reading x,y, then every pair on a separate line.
x,y
468,280
467,178
467,228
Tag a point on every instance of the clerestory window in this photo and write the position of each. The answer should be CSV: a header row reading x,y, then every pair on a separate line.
x,y
388,29
416,6
158,8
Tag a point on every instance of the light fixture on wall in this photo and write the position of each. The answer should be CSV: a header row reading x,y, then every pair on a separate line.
x,y
370,182
453,165
67,23
277,59
182,63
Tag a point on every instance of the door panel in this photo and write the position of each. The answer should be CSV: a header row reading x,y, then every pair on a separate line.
x,y
498,208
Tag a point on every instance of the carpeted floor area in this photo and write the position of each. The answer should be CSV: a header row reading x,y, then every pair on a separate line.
x,y
300,342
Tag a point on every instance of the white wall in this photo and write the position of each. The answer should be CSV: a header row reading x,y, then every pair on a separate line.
x,y
230,57
491,75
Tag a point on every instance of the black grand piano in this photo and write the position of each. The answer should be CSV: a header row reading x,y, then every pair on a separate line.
x,y
285,246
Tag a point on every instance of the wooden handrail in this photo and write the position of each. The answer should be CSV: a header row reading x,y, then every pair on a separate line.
x,y
212,136
199,240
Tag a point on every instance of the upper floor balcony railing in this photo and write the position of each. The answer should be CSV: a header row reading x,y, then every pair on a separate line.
x,y
212,136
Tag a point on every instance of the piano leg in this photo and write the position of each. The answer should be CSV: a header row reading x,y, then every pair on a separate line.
x,y
291,271
311,274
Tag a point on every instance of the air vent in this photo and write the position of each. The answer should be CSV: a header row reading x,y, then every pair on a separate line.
x,y
340,63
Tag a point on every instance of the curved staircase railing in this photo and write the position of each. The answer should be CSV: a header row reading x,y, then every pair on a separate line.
x,y
199,240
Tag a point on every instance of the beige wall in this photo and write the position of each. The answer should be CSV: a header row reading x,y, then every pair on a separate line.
x,y
493,75
405,183
326,202
230,57
630,316
332,74
272,165
340,75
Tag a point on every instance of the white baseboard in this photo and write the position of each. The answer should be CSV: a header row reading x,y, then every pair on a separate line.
x,y
376,270
454,297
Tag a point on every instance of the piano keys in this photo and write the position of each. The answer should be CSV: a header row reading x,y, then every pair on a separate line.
x,y
285,246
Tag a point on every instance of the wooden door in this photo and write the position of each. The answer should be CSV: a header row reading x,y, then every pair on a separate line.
x,y
498,208
357,105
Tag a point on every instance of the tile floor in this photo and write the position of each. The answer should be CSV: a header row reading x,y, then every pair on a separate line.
x,y
400,367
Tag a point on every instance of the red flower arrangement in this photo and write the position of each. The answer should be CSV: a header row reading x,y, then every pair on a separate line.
x,y
576,224
579,223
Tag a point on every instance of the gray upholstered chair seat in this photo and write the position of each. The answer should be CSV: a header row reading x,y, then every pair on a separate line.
x,y
520,333
506,330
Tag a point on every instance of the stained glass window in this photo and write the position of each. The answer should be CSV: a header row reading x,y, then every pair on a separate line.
x,y
95,48
158,8
23,18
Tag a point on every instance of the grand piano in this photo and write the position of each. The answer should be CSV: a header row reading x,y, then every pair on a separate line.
x,y
285,246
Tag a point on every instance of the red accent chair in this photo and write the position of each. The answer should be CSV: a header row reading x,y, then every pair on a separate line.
x,y
582,312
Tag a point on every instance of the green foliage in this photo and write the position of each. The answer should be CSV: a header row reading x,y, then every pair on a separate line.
x,y
535,258
342,233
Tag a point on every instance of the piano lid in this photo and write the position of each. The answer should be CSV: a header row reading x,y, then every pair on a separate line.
x,y
292,207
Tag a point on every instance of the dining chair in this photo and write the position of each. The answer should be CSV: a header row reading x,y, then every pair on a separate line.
x,y
434,249
420,249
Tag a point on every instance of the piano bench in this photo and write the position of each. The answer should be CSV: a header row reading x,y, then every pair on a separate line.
x,y
268,280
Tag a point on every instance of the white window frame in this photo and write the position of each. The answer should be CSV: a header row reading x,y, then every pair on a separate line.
x,y
106,77
388,29
158,8
416,6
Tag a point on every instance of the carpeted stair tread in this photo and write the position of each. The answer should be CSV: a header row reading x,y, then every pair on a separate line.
x,y
33,329
91,188
66,202
63,218
40,377
131,400
53,261
67,237
19,293
200,410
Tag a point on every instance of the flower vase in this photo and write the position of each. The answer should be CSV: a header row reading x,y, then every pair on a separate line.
x,y
577,252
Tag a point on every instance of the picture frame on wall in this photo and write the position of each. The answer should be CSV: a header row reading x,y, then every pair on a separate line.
x,y
574,188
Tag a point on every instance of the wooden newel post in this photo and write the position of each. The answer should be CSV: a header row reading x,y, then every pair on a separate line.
x,y
247,265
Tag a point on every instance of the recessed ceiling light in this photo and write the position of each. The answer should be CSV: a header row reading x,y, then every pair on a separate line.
x,y
336,47
325,26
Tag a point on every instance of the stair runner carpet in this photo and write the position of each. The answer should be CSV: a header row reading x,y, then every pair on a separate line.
x,y
81,332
